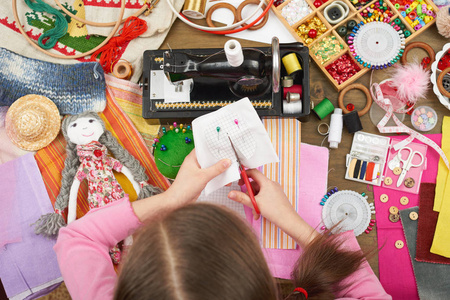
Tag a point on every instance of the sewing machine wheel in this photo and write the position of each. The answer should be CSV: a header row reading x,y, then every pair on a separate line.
x,y
250,86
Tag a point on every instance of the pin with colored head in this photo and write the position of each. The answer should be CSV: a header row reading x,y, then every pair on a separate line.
x,y
236,121
218,130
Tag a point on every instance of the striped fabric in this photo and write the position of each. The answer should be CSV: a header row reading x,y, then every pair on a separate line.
x,y
285,135
129,97
50,160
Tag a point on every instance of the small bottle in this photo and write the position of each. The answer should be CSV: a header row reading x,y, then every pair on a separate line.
x,y
336,124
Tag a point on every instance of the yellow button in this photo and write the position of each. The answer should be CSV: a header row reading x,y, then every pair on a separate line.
x,y
399,244
397,171
404,200
388,181
384,198
413,215
393,210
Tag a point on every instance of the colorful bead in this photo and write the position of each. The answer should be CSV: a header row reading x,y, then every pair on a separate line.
x,y
163,148
164,130
175,124
181,126
184,130
350,107
156,140
188,127
171,127
177,130
295,10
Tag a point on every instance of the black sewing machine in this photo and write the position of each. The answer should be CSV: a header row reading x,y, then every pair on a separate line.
x,y
206,76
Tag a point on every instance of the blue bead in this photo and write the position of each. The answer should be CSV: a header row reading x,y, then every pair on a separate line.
x,y
326,197
324,200
328,194
352,34
332,191
335,189
321,203
363,194
188,127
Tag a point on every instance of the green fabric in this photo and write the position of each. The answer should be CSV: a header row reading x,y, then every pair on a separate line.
x,y
169,161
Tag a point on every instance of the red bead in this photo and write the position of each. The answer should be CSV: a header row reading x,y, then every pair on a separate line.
x,y
369,228
312,33
372,221
350,107
317,3
367,231
98,153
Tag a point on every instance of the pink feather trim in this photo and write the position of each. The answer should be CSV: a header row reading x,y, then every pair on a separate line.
x,y
411,81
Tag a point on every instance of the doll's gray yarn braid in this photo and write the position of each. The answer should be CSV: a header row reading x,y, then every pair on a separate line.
x,y
49,224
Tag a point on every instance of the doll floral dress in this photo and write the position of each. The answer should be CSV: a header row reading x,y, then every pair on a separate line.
x,y
103,188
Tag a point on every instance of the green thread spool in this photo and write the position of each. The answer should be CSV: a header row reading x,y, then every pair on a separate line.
x,y
323,109
291,63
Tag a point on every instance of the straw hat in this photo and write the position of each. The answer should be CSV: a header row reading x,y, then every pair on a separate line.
x,y
32,122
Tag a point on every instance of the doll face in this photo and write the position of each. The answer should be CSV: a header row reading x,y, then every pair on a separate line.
x,y
82,131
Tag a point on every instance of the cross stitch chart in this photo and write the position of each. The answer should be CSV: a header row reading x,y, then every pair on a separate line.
x,y
230,127
241,123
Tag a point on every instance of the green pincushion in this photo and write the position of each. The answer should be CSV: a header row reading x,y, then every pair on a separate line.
x,y
171,149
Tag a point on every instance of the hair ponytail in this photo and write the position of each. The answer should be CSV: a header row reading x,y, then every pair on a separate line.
x,y
322,266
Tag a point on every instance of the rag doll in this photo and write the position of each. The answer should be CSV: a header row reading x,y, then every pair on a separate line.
x,y
87,148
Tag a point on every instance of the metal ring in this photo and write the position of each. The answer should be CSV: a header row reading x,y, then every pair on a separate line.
x,y
239,14
323,133
352,87
217,6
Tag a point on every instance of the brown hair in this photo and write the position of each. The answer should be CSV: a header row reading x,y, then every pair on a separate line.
x,y
200,251
322,266
203,251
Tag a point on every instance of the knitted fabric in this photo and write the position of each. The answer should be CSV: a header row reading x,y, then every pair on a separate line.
x,y
73,88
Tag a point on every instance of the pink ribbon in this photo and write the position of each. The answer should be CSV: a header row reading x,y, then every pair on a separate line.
x,y
386,105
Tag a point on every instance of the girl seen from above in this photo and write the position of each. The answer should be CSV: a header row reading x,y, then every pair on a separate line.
x,y
184,250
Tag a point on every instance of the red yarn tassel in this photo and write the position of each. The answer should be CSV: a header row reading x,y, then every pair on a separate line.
x,y
111,52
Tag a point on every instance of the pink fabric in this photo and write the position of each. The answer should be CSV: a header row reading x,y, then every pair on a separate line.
x,y
363,284
396,273
314,162
82,249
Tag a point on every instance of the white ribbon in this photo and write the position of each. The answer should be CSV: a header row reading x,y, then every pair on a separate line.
x,y
386,105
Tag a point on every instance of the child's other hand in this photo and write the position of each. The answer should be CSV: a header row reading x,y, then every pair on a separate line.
x,y
270,197
192,179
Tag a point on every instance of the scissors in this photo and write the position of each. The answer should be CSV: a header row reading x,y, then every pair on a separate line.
x,y
244,177
408,162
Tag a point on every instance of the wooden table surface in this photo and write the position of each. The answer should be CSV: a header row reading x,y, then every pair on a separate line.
x,y
182,36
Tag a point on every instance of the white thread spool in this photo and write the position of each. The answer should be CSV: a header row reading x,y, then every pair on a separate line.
x,y
336,125
233,51
294,107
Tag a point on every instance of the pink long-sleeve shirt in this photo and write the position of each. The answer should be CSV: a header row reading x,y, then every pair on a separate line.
x,y
83,247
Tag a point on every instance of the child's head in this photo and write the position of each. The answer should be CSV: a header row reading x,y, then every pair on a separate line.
x,y
200,251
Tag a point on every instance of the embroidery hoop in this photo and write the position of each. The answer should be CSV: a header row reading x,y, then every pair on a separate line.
x,y
357,86
433,77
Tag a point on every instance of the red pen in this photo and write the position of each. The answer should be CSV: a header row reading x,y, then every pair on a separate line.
x,y
244,177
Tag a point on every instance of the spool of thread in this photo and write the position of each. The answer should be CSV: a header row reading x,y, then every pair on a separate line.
x,y
291,63
287,81
295,107
194,9
336,125
122,70
233,51
352,122
323,109
296,88
292,97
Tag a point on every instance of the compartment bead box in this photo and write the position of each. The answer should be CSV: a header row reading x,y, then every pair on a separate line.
x,y
329,48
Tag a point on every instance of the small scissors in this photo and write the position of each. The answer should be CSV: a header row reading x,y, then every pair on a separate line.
x,y
244,177
408,162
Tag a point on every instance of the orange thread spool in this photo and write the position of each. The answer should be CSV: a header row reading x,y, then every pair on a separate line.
x,y
123,70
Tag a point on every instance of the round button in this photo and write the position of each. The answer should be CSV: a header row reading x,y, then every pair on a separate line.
x,y
404,200
388,181
384,198
409,182
413,215
394,218
393,210
399,244
397,171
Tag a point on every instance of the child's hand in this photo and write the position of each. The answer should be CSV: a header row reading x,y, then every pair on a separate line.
x,y
192,179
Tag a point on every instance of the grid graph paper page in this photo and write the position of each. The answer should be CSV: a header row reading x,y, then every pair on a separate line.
x,y
220,197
